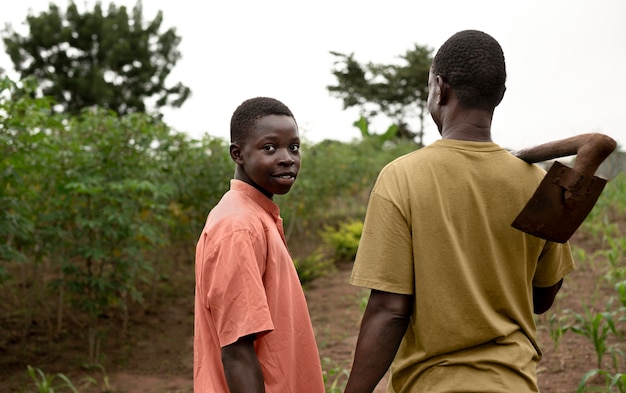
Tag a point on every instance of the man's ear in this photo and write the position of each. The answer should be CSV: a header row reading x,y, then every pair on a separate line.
x,y
443,90
501,96
235,153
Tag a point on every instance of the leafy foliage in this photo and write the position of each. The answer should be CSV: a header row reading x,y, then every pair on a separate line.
x,y
602,329
19,115
99,211
88,201
344,240
92,203
334,184
397,91
108,59
335,376
313,266
363,125
45,383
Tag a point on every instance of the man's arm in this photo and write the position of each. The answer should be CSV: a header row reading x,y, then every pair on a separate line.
x,y
384,324
544,297
241,367
590,149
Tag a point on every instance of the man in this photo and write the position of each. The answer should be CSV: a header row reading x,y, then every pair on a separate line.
x,y
453,285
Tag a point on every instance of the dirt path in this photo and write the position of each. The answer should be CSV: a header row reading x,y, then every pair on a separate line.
x,y
335,313
160,358
336,308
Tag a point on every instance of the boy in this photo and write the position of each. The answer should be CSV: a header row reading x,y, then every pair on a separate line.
x,y
253,332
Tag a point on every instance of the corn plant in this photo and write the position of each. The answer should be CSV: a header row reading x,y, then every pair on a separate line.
x,y
612,382
45,383
615,255
620,288
364,300
580,256
557,327
335,376
596,327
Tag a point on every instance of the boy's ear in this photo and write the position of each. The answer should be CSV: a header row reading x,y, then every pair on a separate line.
x,y
235,153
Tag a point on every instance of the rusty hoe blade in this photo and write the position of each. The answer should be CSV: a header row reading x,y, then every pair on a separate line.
x,y
560,204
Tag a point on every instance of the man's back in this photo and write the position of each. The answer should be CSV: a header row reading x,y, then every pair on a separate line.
x,y
453,284
469,272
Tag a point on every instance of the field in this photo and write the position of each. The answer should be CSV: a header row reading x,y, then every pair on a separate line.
x,y
157,357
99,215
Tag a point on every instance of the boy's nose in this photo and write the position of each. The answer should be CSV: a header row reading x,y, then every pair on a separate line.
x,y
286,158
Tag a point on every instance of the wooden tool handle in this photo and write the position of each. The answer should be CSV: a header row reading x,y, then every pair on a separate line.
x,y
590,149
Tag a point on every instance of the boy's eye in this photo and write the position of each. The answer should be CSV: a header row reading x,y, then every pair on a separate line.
x,y
294,147
269,148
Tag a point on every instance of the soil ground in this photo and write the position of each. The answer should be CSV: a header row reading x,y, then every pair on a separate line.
x,y
157,355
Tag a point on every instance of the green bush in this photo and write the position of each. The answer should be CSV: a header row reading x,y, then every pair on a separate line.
x,y
97,209
334,183
313,266
343,240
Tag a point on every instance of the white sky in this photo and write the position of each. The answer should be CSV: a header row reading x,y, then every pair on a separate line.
x,y
566,59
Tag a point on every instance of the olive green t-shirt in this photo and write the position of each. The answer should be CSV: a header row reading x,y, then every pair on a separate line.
x,y
438,227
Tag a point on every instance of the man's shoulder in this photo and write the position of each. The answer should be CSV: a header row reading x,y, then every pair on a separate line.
x,y
409,163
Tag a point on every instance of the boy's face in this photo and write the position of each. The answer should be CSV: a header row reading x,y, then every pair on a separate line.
x,y
269,158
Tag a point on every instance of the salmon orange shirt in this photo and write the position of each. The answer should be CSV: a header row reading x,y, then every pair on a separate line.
x,y
246,283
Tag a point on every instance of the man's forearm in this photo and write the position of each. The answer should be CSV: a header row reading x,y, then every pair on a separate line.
x,y
590,149
380,335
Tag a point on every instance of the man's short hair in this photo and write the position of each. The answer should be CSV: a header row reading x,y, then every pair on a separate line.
x,y
472,63
251,110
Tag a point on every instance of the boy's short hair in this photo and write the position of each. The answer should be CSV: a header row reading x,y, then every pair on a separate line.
x,y
472,63
249,111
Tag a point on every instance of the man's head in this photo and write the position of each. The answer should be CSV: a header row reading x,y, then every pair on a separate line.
x,y
265,145
472,64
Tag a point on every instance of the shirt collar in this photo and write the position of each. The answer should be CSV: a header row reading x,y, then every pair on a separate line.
x,y
257,196
467,145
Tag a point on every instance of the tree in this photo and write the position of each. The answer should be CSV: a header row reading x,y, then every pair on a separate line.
x,y
397,91
112,60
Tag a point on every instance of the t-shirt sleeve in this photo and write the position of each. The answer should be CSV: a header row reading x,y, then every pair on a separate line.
x,y
236,295
384,258
555,262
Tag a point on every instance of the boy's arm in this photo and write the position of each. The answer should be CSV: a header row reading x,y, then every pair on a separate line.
x,y
590,150
241,367
384,324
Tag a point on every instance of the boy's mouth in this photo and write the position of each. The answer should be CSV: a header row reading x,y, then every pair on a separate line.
x,y
285,177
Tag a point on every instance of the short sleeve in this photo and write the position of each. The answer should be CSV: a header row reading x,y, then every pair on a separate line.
x,y
384,258
236,295
555,262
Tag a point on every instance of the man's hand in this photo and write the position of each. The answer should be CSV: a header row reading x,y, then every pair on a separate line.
x,y
590,150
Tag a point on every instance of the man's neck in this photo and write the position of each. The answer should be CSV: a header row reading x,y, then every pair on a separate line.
x,y
467,133
468,125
